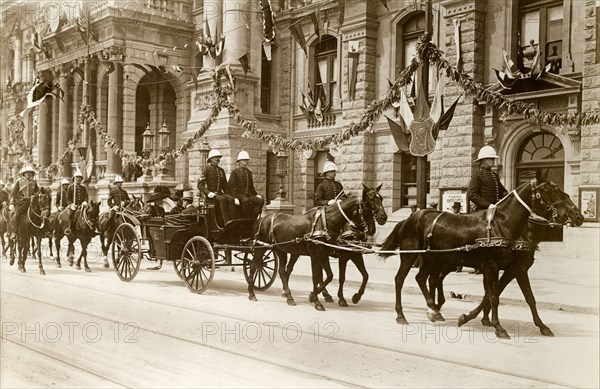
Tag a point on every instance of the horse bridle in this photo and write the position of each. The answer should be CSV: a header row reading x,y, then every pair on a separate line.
x,y
41,226
86,220
535,194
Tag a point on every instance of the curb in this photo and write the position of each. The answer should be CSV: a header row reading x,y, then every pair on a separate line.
x,y
389,288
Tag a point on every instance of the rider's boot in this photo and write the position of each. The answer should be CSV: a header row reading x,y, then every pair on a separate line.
x,y
68,230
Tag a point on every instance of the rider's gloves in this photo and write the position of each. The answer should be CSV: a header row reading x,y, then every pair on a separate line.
x,y
11,207
237,202
330,202
211,195
115,208
259,196
60,208
492,206
122,203
84,204
73,206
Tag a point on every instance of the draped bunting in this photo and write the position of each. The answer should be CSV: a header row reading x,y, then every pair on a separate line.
x,y
369,117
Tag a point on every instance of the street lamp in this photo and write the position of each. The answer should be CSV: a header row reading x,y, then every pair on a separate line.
x,y
164,137
148,139
282,171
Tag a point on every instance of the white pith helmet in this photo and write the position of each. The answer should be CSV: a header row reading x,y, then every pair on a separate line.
x,y
486,152
26,169
77,174
213,153
329,166
243,155
118,178
64,181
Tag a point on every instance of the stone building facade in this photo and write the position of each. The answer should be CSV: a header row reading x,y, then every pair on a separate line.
x,y
145,69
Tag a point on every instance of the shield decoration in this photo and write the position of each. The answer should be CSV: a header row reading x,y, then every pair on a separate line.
x,y
421,141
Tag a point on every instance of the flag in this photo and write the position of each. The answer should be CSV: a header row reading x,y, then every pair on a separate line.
x,y
83,25
298,34
405,111
511,68
457,41
399,133
268,20
87,165
445,120
39,92
245,62
352,73
267,48
315,17
437,107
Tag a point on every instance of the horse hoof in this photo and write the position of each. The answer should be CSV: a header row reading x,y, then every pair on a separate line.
x,y
486,322
356,298
328,299
11,262
88,270
78,267
462,319
438,317
311,297
342,303
58,265
252,298
22,270
502,334
546,331
106,265
283,294
401,320
319,307
431,315
291,302
42,272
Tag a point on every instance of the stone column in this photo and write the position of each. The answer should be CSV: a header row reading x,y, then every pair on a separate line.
x,y
212,16
44,139
235,19
17,59
65,129
114,122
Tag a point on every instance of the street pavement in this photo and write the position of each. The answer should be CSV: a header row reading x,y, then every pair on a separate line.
x,y
558,283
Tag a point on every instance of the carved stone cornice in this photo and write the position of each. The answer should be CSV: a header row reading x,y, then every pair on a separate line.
x,y
456,8
114,53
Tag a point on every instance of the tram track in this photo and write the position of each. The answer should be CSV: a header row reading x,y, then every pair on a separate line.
x,y
237,318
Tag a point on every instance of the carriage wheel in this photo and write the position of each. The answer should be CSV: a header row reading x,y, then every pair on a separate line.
x,y
266,272
126,252
197,267
177,265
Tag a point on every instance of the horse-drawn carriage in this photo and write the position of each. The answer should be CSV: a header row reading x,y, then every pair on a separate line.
x,y
195,243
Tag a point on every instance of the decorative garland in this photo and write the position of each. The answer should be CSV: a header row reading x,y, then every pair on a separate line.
x,y
222,95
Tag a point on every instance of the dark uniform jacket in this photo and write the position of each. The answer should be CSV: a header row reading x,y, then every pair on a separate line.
x,y
485,188
216,181
24,189
116,196
241,183
77,194
3,196
62,197
327,190
189,209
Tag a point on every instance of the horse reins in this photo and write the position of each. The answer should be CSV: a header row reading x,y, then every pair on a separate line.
x,y
41,226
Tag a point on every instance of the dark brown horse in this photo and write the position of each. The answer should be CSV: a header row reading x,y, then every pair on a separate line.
x,y
86,219
372,205
288,233
32,221
6,229
109,221
466,240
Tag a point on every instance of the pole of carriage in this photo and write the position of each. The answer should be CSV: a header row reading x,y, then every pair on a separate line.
x,y
422,172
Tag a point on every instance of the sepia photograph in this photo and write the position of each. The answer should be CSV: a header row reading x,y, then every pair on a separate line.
x,y
299,194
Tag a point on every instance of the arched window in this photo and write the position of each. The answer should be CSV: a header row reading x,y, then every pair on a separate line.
x,y
408,32
326,68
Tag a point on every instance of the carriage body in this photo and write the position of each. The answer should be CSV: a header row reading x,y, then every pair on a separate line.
x,y
195,244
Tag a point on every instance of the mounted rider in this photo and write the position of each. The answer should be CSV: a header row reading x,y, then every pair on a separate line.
x,y
77,197
485,188
118,197
62,195
3,195
25,188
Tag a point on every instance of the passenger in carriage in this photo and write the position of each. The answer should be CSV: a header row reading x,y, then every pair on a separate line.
x,y
77,197
242,187
153,209
216,186
178,203
118,197
187,201
24,189
62,195
3,195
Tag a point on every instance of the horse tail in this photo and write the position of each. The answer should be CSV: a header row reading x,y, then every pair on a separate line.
x,y
392,242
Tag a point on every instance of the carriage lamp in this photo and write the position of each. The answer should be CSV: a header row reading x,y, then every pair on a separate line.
x,y
281,172
164,137
148,139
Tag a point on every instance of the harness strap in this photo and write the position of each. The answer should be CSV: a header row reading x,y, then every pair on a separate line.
x,y
430,231
272,232
343,213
